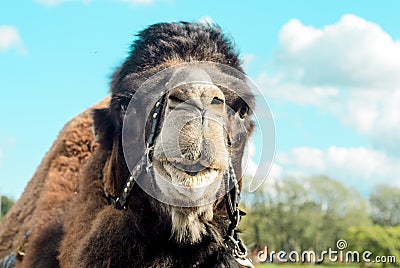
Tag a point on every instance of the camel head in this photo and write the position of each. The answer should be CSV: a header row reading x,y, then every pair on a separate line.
x,y
200,134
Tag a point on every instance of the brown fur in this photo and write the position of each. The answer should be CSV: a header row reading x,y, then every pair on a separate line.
x,y
41,207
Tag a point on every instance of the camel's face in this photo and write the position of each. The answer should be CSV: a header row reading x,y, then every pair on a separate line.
x,y
204,128
191,152
202,131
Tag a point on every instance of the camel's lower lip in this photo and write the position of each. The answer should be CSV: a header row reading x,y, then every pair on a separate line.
x,y
182,179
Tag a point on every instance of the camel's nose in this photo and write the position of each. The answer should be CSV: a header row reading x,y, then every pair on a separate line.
x,y
200,106
194,86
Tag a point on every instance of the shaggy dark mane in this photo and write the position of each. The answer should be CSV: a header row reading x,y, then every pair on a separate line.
x,y
182,41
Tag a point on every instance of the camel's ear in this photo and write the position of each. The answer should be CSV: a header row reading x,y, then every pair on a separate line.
x,y
103,127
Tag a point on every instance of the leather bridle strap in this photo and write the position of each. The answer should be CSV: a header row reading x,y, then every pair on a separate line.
x,y
145,162
122,199
232,239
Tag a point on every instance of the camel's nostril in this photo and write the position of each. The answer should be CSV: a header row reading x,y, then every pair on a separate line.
x,y
217,101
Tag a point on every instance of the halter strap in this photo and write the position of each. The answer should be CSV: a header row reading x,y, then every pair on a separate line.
x,y
145,162
232,239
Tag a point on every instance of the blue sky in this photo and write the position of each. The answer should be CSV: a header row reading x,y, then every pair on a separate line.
x,y
328,69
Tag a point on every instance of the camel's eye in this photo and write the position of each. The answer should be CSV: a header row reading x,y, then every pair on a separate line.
x,y
217,101
243,111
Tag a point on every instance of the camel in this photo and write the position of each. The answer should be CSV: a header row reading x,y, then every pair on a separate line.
x,y
151,176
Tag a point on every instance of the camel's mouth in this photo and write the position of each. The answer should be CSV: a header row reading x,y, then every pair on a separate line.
x,y
191,178
191,184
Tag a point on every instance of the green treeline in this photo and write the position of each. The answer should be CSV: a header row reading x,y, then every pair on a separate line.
x,y
314,213
5,205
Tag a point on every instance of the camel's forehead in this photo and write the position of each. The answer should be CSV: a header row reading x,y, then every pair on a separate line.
x,y
188,74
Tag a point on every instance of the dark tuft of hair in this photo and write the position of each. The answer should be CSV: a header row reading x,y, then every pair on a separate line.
x,y
183,41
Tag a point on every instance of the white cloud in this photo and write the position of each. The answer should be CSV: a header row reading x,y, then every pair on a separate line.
x,y
357,166
274,176
350,69
353,52
250,166
277,88
11,40
58,2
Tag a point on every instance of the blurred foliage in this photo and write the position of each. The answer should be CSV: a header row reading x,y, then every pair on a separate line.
x,y
307,214
380,240
385,205
314,213
5,205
